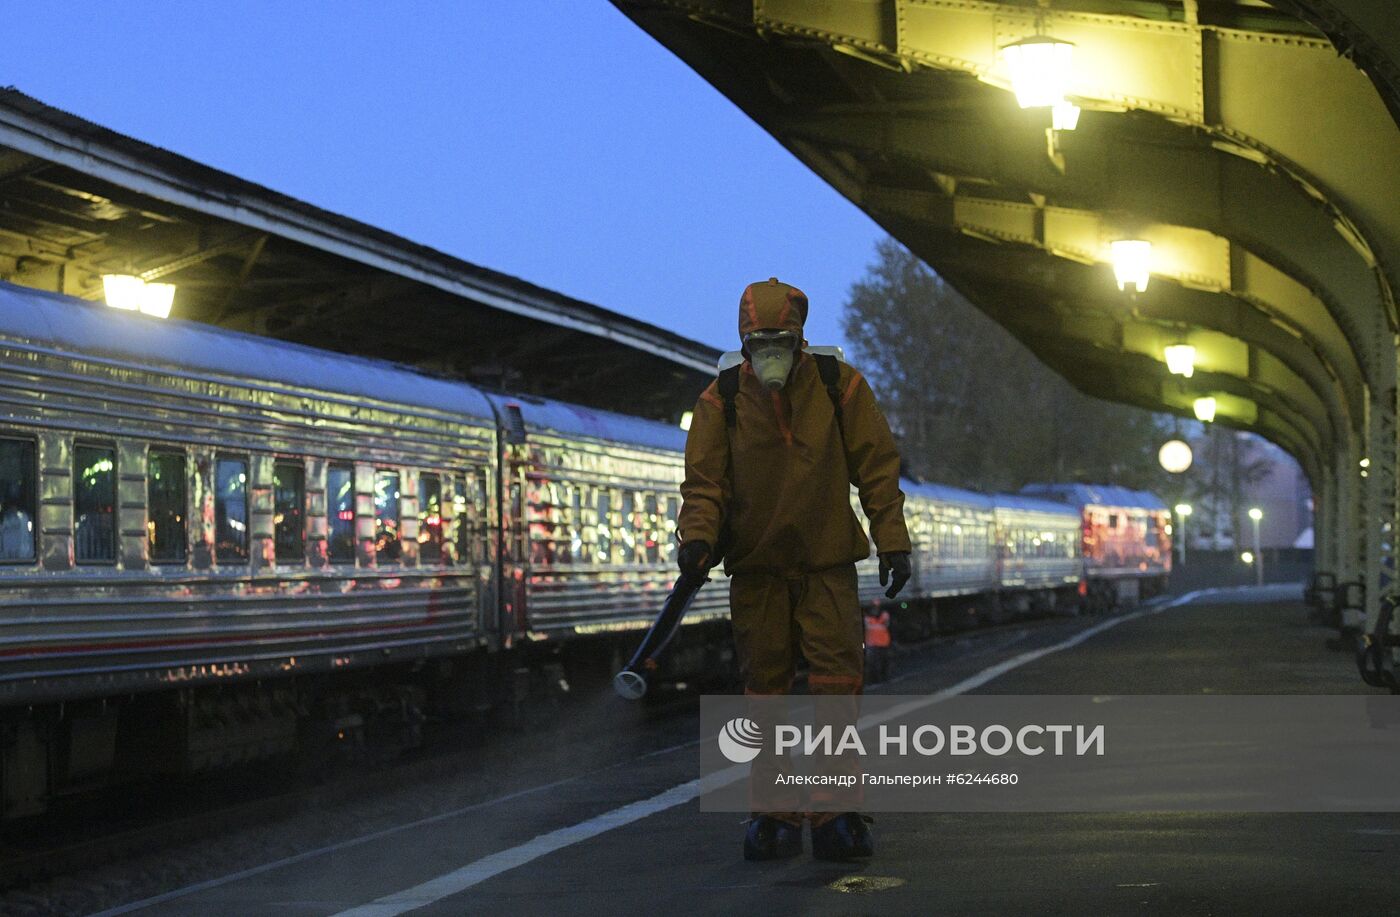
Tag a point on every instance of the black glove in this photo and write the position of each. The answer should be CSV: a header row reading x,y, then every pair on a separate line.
x,y
694,558
898,562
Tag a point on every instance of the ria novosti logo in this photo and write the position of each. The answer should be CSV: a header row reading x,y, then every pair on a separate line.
x,y
740,740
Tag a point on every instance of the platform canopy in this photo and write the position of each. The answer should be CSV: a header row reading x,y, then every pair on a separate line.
x,y
78,201
1254,145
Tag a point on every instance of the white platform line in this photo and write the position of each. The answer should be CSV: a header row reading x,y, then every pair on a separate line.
x,y
474,873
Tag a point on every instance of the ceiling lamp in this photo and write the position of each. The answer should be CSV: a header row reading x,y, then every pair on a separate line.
x,y
1132,259
126,291
1204,408
1181,359
1174,456
1039,68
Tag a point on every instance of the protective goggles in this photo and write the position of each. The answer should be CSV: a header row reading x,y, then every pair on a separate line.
x,y
764,340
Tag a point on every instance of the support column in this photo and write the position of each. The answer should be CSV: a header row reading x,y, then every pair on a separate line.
x,y
1379,511
1346,528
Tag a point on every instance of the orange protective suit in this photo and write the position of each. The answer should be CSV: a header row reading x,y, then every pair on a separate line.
x,y
779,482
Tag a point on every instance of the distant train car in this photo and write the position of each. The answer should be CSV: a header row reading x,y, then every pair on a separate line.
x,y
1126,539
953,561
1039,560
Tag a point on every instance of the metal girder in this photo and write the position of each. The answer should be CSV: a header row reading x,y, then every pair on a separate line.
x,y
1367,31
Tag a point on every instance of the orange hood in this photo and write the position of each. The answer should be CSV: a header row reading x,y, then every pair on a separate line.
x,y
772,305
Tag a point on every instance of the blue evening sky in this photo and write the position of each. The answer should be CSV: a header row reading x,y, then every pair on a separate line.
x,y
551,139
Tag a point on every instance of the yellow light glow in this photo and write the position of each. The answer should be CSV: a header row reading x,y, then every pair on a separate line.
x,y
1183,509
1256,513
1064,116
1132,263
1174,456
686,418
157,299
126,291
1247,557
1039,67
122,291
1204,408
1365,463
1181,359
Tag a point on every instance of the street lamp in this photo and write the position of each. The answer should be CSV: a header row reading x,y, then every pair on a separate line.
x,y
1174,456
1255,514
1204,409
1182,511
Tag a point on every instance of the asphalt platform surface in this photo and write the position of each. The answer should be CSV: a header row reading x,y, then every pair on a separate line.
x,y
593,814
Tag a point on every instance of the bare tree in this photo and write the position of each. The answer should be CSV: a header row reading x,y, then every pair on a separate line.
x,y
969,403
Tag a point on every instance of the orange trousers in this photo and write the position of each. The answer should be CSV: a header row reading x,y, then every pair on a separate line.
x,y
817,614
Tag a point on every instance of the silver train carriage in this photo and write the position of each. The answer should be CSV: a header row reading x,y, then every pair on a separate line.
x,y
1040,567
979,559
183,504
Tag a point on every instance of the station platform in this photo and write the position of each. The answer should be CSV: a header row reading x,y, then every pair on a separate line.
x,y
608,823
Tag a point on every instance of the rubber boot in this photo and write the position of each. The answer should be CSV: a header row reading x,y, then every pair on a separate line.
x,y
844,837
770,838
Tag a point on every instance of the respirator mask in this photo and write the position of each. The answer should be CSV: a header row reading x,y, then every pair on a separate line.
x,y
771,354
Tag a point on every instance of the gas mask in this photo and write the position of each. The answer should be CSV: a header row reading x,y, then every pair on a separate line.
x,y
771,353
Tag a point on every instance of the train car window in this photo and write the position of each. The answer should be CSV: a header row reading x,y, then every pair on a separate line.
x,y
605,539
340,507
627,529
561,522
429,519
18,478
652,525
583,527
231,510
482,514
386,515
17,500
165,506
95,504
289,510
668,537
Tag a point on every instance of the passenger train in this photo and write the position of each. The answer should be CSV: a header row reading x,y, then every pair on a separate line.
x,y
215,547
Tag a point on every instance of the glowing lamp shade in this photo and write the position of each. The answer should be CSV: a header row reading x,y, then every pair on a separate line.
x,y
1256,513
1183,509
1204,408
686,418
1064,116
124,291
1039,67
1247,556
1132,262
1174,456
1181,359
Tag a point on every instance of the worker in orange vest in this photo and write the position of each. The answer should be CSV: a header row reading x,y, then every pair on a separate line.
x,y
877,645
